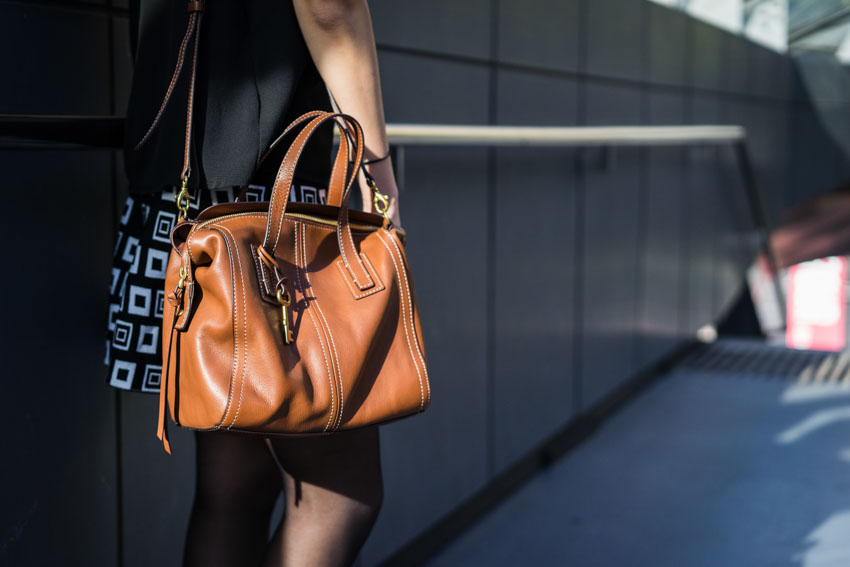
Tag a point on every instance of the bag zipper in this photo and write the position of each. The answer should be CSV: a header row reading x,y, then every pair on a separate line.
x,y
303,216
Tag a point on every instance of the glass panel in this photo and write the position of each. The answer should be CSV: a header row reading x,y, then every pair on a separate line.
x,y
727,14
767,23
843,52
803,13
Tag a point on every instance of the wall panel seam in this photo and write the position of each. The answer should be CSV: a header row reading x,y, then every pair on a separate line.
x,y
69,5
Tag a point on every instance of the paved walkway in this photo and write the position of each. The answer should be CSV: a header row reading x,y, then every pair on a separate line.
x,y
706,468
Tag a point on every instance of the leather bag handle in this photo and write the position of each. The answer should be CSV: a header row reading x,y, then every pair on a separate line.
x,y
336,185
283,183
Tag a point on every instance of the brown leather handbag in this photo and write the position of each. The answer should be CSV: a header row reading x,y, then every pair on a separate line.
x,y
291,318
287,318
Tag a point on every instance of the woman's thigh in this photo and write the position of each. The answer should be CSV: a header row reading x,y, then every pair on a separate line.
x,y
234,469
346,464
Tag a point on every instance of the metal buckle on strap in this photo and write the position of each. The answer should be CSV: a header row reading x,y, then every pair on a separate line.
x,y
183,199
380,201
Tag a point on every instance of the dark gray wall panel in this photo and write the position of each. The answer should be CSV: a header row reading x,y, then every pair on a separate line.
x,y
423,90
158,487
784,82
122,64
735,241
814,152
738,67
612,193
531,99
767,135
662,257
708,55
842,165
701,222
774,118
533,322
67,74
534,271
770,73
667,45
796,87
554,42
458,28
615,31
436,460
60,487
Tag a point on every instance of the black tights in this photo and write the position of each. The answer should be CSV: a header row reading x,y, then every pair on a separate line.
x,y
333,491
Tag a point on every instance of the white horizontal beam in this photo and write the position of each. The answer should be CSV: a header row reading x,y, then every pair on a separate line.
x,y
448,135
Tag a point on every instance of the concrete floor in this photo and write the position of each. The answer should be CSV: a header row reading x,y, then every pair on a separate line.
x,y
704,469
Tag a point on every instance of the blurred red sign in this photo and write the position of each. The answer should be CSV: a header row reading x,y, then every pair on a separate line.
x,y
817,304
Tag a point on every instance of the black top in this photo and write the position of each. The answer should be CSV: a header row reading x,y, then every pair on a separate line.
x,y
254,76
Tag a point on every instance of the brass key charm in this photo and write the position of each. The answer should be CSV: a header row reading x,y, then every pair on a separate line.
x,y
285,300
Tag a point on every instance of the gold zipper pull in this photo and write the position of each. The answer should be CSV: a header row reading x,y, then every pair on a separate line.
x,y
285,300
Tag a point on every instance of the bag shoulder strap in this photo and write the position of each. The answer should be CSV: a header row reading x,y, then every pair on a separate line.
x,y
193,33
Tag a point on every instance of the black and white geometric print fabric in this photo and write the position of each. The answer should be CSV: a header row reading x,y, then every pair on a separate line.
x,y
136,289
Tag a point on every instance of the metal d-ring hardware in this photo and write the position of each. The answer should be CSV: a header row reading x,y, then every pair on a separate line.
x,y
183,199
181,283
380,201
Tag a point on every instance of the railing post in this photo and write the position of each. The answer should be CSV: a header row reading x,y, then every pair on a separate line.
x,y
755,200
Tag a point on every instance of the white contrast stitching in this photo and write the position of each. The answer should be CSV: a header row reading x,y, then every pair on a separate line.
x,y
235,339
306,135
315,326
189,245
244,323
283,217
263,271
412,322
289,189
261,275
327,326
404,325
379,285
356,255
358,155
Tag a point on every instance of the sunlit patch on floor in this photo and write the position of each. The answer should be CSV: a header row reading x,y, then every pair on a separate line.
x,y
830,546
818,420
803,393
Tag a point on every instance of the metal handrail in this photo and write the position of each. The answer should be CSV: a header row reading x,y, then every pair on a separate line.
x,y
107,131
561,136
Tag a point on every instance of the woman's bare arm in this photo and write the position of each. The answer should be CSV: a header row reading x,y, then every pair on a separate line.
x,y
339,36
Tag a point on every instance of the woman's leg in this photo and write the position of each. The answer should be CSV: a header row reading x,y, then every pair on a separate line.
x,y
237,484
333,494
